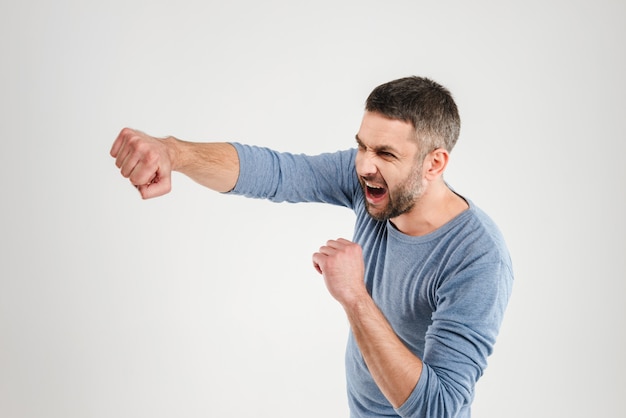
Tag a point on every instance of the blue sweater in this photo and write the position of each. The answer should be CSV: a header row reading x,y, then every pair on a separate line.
x,y
444,293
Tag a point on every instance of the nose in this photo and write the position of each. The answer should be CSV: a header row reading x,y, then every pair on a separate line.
x,y
365,164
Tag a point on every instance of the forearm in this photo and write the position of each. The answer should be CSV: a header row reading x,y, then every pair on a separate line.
x,y
394,368
213,165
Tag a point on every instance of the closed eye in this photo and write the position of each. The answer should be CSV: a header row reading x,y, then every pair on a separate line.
x,y
386,154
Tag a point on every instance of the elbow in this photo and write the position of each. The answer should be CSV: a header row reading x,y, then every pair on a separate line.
x,y
436,396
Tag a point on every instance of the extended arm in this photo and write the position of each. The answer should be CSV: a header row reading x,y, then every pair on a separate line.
x,y
148,162
395,369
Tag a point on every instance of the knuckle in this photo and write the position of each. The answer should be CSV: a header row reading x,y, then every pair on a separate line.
x,y
136,144
150,156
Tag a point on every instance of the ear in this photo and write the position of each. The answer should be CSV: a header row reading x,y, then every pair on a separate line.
x,y
435,164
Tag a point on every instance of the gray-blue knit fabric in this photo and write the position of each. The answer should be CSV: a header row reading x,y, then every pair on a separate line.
x,y
443,293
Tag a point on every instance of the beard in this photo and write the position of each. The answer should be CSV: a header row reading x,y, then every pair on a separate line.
x,y
401,199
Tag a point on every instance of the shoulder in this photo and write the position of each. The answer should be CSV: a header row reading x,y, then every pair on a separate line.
x,y
480,239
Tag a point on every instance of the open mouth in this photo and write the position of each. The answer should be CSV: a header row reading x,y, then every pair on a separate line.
x,y
374,193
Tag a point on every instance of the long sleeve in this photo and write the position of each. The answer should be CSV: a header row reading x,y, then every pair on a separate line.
x,y
444,294
285,177
469,309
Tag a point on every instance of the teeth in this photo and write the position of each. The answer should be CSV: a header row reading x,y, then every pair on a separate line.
x,y
372,186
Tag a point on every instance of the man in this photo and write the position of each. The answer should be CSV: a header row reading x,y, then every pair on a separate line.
x,y
427,277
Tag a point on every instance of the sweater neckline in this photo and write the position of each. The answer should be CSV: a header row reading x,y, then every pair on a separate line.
x,y
437,233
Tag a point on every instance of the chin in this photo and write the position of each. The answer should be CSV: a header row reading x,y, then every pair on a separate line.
x,y
378,215
390,210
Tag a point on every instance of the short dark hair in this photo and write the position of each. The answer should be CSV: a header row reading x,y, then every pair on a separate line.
x,y
428,106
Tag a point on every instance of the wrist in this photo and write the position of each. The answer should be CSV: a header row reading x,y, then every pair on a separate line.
x,y
357,302
174,152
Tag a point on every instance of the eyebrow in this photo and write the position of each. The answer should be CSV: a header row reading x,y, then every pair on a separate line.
x,y
381,148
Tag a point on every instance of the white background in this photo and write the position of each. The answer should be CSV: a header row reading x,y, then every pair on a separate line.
x,y
203,305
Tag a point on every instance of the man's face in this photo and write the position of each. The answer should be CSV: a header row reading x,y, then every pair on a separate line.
x,y
387,166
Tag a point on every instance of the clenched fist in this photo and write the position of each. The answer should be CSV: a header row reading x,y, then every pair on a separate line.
x,y
341,263
144,160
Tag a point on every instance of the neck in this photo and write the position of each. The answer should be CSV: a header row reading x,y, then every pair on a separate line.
x,y
435,208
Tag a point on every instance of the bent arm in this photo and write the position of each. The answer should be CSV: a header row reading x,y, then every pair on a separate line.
x,y
148,162
394,368
441,381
